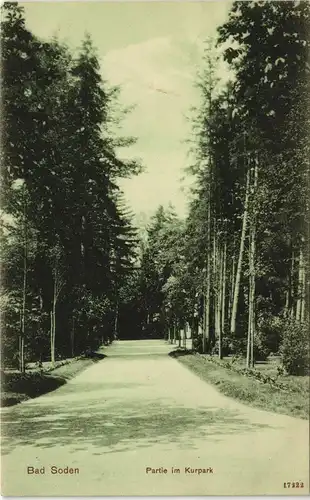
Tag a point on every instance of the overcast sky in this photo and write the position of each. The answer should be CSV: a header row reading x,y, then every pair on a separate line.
x,y
153,50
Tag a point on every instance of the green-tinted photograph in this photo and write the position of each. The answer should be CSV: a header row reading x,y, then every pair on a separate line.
x,y
154,223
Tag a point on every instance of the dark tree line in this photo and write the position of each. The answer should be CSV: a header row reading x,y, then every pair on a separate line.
x,y
239,275
68,243
235,272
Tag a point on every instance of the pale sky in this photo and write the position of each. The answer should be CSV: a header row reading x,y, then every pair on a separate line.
x,y
153,50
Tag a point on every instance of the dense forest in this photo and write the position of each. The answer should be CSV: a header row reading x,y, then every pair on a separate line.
x,y
237,271
76,272
68,243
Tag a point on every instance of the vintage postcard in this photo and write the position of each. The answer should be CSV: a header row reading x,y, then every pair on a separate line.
x,y
154,241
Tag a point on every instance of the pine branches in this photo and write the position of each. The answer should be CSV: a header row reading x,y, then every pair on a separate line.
x,y
76,245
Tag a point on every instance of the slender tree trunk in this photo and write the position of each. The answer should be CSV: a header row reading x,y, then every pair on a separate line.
x,y
53,313
52,337
204,330
72,337
218,316
220,299
54,331
253,328
300,306
206,340
224,286
223,299
206,325
248,350
287,303
288,291
184,340
291,287
22,336
303,298
232,287
252,249
205,322
116,321
254,258
250,313
298,303
240,258
216,279
25,271
20,339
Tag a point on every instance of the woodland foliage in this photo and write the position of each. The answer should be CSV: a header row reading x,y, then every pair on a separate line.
x,y
240,274
68,242
235,272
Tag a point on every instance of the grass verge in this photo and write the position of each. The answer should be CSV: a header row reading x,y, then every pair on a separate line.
x,y
293,400
17,387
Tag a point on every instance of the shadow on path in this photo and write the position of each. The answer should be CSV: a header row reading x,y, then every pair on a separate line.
x,y
112,424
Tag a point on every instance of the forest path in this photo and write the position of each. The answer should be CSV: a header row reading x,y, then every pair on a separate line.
x,y
140,408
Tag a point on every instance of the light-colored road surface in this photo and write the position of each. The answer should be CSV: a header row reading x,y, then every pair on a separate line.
x,y
140,408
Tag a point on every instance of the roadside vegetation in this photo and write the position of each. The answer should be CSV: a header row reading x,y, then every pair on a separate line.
x,y
234,275
17,387
266,387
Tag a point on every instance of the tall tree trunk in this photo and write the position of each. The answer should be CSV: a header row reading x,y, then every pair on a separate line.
x,y
206,325
248,350
54,331
219,300
303,298
72,336
25,271
115,335
20,339
300,306
240,258
206,339
231,291
53,320
23,320
224,286
252,249
216,281
291,287
251,304
56,291
299,289
51,336
287,303
253,328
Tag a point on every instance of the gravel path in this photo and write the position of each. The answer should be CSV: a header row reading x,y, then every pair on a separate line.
x,y
137,409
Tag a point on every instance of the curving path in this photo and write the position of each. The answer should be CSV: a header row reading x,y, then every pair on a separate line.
x,y
140,408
